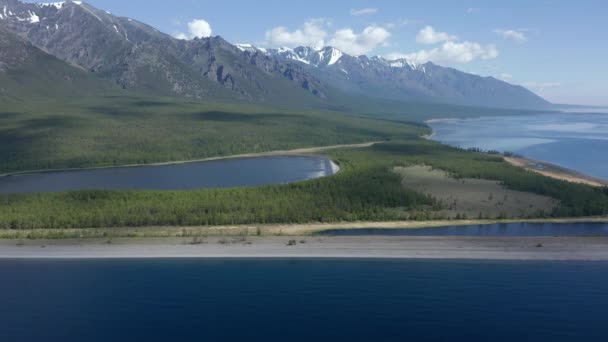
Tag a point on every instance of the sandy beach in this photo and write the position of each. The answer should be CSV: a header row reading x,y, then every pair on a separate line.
x,y
554,171
548,170
487,248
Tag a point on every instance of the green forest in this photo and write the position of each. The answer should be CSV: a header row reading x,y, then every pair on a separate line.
x,y
365,190
121,130
108,131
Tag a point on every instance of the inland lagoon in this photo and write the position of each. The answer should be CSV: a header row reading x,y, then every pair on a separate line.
x,y
182,176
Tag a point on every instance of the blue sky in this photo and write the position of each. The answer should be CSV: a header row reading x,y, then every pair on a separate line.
x,y
556,48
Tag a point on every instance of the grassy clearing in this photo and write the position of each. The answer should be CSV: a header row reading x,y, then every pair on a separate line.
x,y
474,198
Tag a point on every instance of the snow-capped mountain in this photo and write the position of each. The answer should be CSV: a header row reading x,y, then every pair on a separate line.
x,y
400,79
137,56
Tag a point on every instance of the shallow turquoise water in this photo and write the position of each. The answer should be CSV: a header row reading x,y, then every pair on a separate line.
x,y
302,300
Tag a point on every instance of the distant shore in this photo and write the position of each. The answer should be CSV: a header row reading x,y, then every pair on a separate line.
x,y
554,171
548,169
480,248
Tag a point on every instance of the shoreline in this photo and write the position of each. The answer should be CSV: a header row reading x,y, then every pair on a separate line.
x,y
470,248
555,171
256,230
294,152
551,170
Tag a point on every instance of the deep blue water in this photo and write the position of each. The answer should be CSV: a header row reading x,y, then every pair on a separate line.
x,y
302,300
187,176
577,141
499,229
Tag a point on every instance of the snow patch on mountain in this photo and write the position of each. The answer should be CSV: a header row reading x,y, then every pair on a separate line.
x,y
33,17
335,56
249,48
58,5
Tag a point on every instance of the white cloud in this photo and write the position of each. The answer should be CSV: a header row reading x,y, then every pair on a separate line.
x,y
312,33
402,22
363,11
451,53
514,35
395,55
181,35
541,86
360,43
197,28
428,35
472,10
505,77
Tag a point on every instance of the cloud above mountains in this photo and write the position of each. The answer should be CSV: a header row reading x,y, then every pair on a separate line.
x,y
312,33
315,33
444,48
197,28
363,11
428,35
515,35
359,43
451,53
450,50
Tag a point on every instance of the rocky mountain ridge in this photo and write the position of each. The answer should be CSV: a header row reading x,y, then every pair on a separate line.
x,y
136,56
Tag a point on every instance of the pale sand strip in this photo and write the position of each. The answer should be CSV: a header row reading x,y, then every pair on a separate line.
x,y
556,172
553,171
482,248
299,151
265,230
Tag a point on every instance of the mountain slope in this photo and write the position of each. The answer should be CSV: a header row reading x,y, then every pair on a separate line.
x,y
139,57
26,71
402,80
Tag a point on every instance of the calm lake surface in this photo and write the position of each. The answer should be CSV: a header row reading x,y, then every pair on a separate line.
x,y
500,229
578,141
302,300
187,176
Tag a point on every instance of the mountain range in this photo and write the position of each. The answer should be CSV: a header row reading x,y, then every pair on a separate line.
x,y
78,44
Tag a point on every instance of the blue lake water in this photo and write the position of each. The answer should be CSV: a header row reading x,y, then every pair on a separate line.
x,y
187,176
577,141
500,229
302,300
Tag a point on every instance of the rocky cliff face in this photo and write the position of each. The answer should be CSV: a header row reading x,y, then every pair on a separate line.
x,y
26,72
138,56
